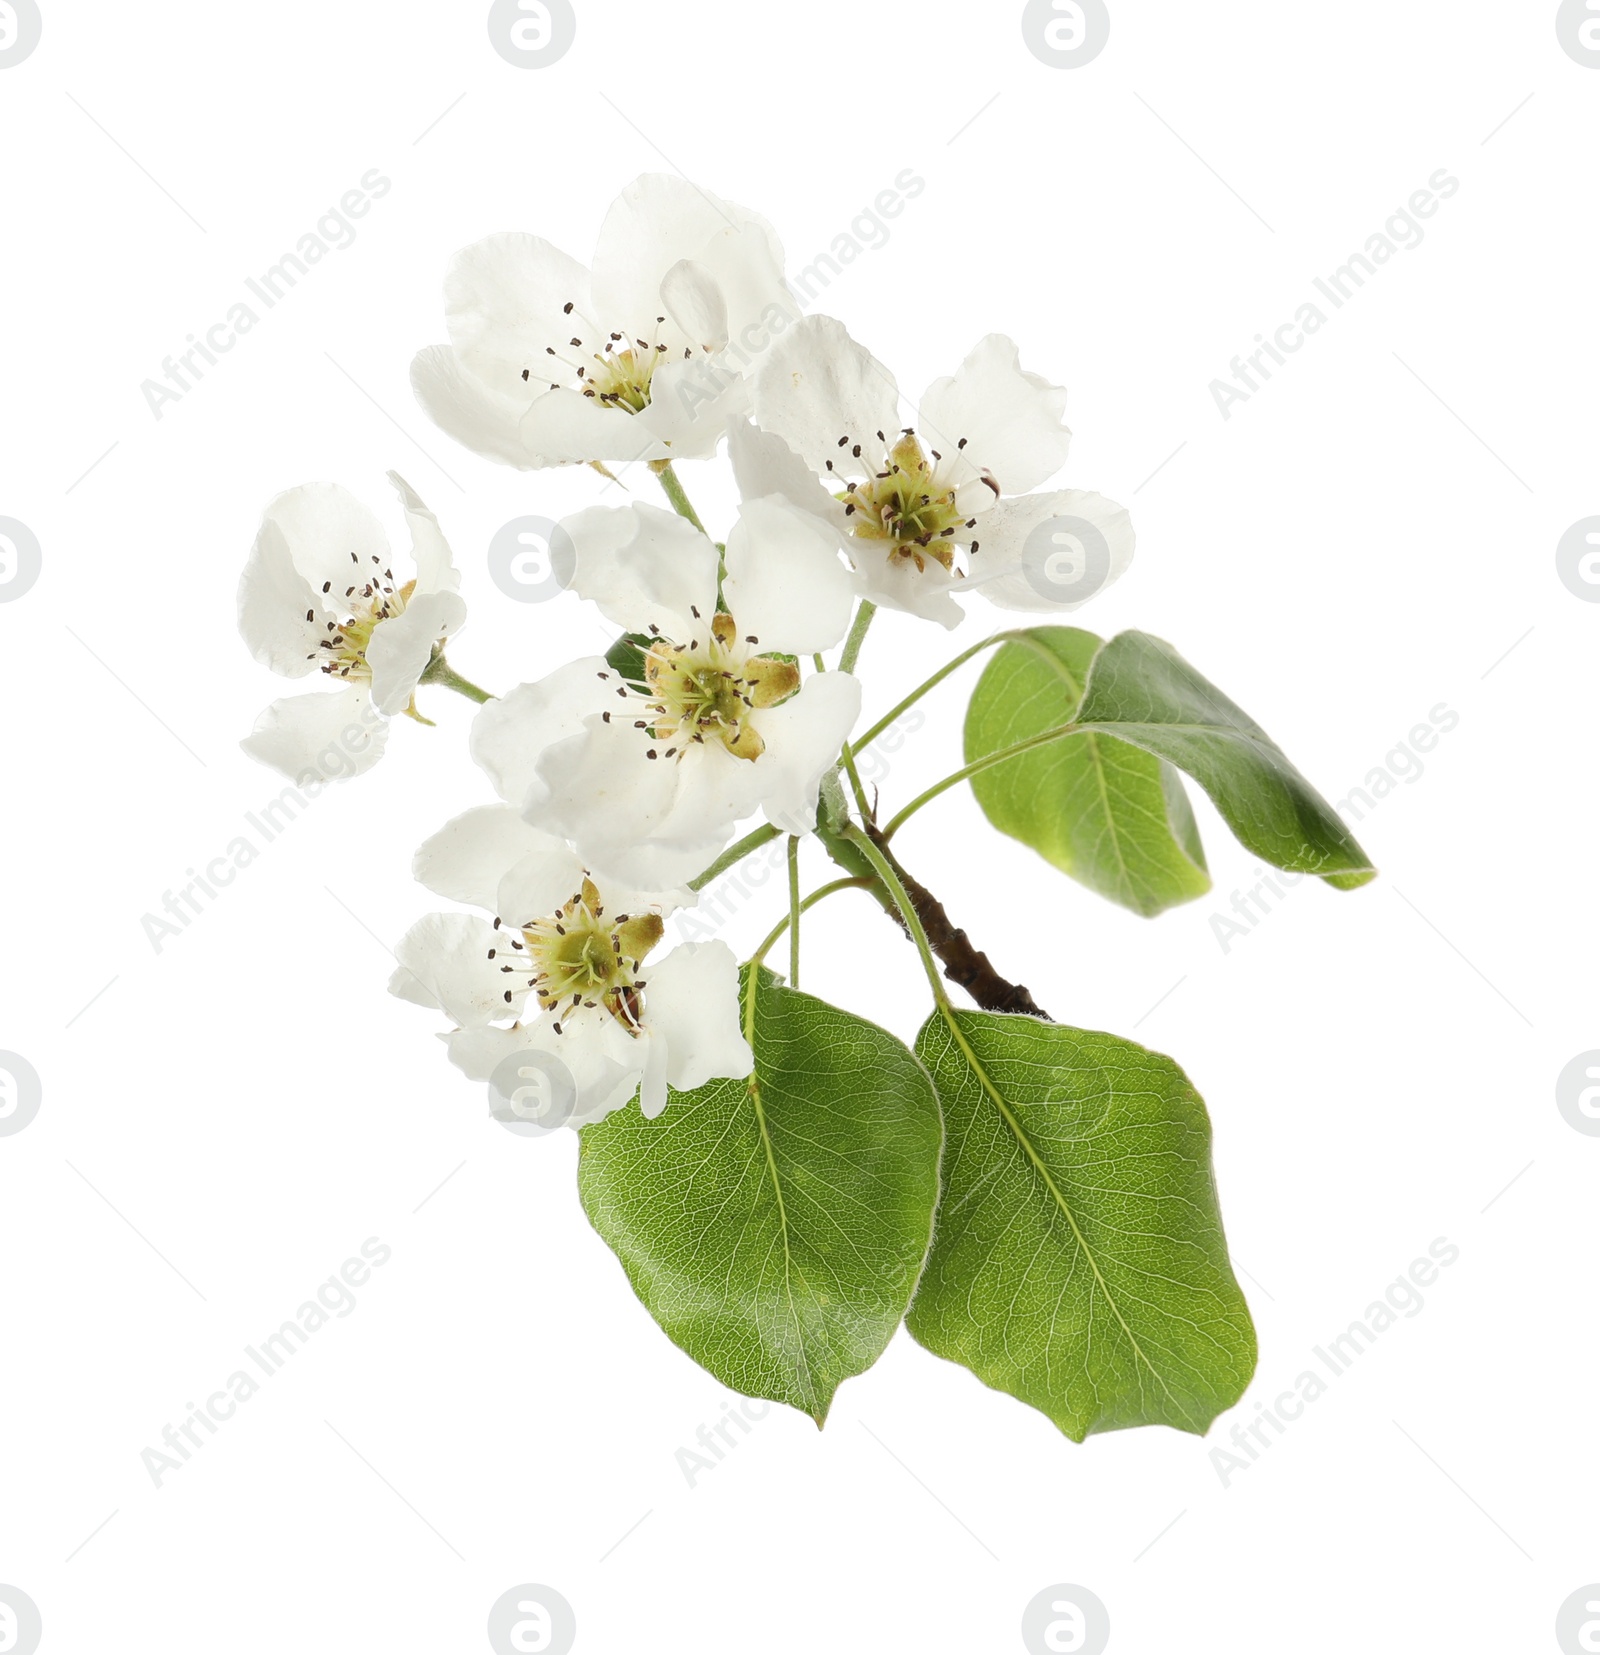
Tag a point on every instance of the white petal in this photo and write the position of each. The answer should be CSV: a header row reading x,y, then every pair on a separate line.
x,y
715,790
404,986
539,882
454,961
510,734
328,735
803,739
692,1003
662,862
786,584
600,790
552,872
691,404
469,856
572,1079
652,824
505,302
660,219
282,617
817,385
605,1062
694,301
436,570
487,421
643,567
763,463
1051,552
330,534
1009,420
477,1053
401,648
897,583
653,1082
563,427
746,262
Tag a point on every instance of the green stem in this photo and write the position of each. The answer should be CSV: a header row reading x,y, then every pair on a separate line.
x,y
890,880
674,491
794,911
933,683
848,759
442,673
941,999
762,835
1043,739
771,940
749,1026
858,633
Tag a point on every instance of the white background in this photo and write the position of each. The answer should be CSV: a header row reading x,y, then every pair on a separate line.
x,y
229,1119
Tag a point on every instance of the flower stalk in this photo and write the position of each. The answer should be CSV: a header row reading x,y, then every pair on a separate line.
x,y
676,493
440,672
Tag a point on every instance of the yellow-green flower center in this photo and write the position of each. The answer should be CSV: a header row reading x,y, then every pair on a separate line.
x,y
343,651
707,690
580,956
622,378
618,375
907,506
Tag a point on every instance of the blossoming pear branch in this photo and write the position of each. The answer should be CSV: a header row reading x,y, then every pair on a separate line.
x,y
784,1182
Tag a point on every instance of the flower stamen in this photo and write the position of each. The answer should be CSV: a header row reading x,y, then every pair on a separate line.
x,y
366,606
579,959
908,505
620,374
708,689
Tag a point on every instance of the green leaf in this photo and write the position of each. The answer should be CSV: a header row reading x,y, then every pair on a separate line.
x,y
1142,691
776,1228
1079,1262
626,656
1113,817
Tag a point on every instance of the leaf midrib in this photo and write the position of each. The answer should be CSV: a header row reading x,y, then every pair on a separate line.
x,y
975,1063
1112,727
753,1086
1059,667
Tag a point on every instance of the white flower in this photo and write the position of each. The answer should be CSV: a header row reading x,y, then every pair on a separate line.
x,y
561,978
928,512
647,775
318,594
640,359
